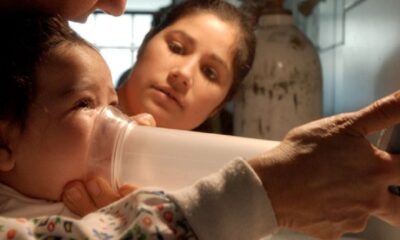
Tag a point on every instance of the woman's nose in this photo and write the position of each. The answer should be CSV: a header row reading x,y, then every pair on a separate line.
x,y
112,7
180,79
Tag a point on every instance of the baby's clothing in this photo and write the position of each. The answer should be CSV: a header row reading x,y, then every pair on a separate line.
x,y
230,204
14,204
140,215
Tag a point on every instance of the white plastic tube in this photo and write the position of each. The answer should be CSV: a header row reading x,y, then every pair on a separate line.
x,y
167,158
172,159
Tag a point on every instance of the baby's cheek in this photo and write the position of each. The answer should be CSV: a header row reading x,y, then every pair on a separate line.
x,y
75,139
71,163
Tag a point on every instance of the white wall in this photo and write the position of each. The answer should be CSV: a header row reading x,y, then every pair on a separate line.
x,y
366,67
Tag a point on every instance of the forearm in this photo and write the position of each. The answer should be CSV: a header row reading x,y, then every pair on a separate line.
x,y
230,204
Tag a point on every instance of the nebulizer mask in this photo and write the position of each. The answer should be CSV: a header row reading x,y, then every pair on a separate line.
x,y
124,152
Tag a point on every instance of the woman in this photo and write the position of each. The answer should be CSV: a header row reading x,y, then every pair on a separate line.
x,y
202,70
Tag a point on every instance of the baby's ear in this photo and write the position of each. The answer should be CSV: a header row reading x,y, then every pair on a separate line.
x,y
7,162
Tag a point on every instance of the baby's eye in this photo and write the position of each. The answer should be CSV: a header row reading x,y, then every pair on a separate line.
x,y
210,73
84,103
113,103
176,47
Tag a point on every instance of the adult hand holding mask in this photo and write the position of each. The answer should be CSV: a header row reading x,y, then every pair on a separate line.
x,y
326,178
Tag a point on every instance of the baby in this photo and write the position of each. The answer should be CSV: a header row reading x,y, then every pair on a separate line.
x,y
52,83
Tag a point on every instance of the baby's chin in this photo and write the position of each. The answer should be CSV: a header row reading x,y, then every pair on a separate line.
x,y
54,193
51,196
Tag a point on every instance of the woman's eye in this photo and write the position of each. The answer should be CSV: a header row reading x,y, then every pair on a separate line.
x,y
84,103
176,47
210,73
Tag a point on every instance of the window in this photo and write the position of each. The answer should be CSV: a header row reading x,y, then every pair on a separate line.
x,y
118,38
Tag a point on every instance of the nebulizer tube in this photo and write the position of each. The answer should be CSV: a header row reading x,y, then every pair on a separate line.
x,y
125,152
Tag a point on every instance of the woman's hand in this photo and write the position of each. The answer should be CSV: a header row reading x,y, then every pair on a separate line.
x,y
326,179
85,197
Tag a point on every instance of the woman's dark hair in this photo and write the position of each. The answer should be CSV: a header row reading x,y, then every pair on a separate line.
x,y
124,76
27,38
246,43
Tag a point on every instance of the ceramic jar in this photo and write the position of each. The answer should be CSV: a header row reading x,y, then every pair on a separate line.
x,y
284,86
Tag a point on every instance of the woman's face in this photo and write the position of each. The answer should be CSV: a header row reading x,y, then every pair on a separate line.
x,y
72,84
79,10
184,73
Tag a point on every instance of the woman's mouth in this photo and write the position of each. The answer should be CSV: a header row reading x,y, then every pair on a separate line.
x,y
170,94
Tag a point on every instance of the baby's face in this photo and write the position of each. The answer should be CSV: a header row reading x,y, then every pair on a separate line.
x,y
73,83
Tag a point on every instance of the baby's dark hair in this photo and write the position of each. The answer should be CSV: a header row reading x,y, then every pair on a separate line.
x,y
246,43
27,38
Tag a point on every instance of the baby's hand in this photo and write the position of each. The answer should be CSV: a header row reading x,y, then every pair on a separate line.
x,y
85,197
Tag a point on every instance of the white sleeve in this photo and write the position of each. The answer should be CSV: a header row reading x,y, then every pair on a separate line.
x,y
230,204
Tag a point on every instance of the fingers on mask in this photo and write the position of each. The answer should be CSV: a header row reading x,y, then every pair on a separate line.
x,y
126,189
101,192
77,199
